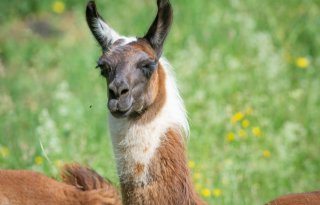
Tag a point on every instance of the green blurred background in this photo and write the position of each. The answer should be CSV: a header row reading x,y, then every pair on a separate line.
x,y
248,71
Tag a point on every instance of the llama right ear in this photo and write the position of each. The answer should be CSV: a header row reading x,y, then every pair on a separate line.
x,y
103,33
160,27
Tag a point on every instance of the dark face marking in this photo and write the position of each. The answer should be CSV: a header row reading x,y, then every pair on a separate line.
x,y
128,69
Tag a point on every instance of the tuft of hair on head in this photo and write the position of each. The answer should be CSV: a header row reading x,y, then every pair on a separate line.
x,y
84,178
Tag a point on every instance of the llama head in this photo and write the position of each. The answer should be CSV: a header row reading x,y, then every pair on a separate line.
x,y
130,65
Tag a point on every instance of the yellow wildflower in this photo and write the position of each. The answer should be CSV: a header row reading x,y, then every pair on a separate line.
x,y
249,110
302,62
216,192
237,117
256,131
242,133
231,137
58,163
4,152
225,181
287,56
58,7
205,192
245,123
228,162
266,153
191,164
197,175
38,160
198,187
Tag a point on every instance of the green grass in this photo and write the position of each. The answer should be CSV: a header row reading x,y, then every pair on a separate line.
x,y
228,56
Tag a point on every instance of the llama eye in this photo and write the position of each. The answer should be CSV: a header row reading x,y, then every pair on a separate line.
x,y
102,65
106,67
99,64
148,69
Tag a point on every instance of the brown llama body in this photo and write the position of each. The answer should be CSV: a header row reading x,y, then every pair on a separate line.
x,y
147,120
82,186
308,198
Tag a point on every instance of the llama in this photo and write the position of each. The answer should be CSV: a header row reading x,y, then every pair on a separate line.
x,y
81,186
308,198
147,118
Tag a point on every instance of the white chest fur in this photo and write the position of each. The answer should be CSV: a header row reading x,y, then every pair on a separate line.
x,y
134,146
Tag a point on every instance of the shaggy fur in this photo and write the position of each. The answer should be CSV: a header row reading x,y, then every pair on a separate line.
x,y
83,186
308,198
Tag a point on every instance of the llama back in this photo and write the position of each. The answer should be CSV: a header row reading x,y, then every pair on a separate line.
x,y
26,187
307,198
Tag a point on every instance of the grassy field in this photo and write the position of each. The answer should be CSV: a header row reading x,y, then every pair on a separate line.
x,y
248,72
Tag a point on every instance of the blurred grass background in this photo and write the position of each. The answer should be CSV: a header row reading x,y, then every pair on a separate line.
x,y
248,72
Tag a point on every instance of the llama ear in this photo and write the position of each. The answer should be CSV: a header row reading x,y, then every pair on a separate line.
x,y
160,27
103,33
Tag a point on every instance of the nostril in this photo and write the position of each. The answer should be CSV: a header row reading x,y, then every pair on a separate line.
x,y
112,93
124,91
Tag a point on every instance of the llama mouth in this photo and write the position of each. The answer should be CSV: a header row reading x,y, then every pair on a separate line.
x,y
121,113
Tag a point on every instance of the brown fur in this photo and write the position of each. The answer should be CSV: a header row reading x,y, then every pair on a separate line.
x,y
22,187
157,92
87,179
308,198
144,46
170,181
138,169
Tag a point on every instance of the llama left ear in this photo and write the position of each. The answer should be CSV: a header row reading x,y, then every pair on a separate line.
x,y
103,33
160,27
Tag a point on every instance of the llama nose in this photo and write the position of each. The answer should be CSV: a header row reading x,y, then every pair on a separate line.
x,y
118,89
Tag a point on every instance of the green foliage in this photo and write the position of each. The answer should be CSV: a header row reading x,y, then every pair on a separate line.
x,y
235,61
